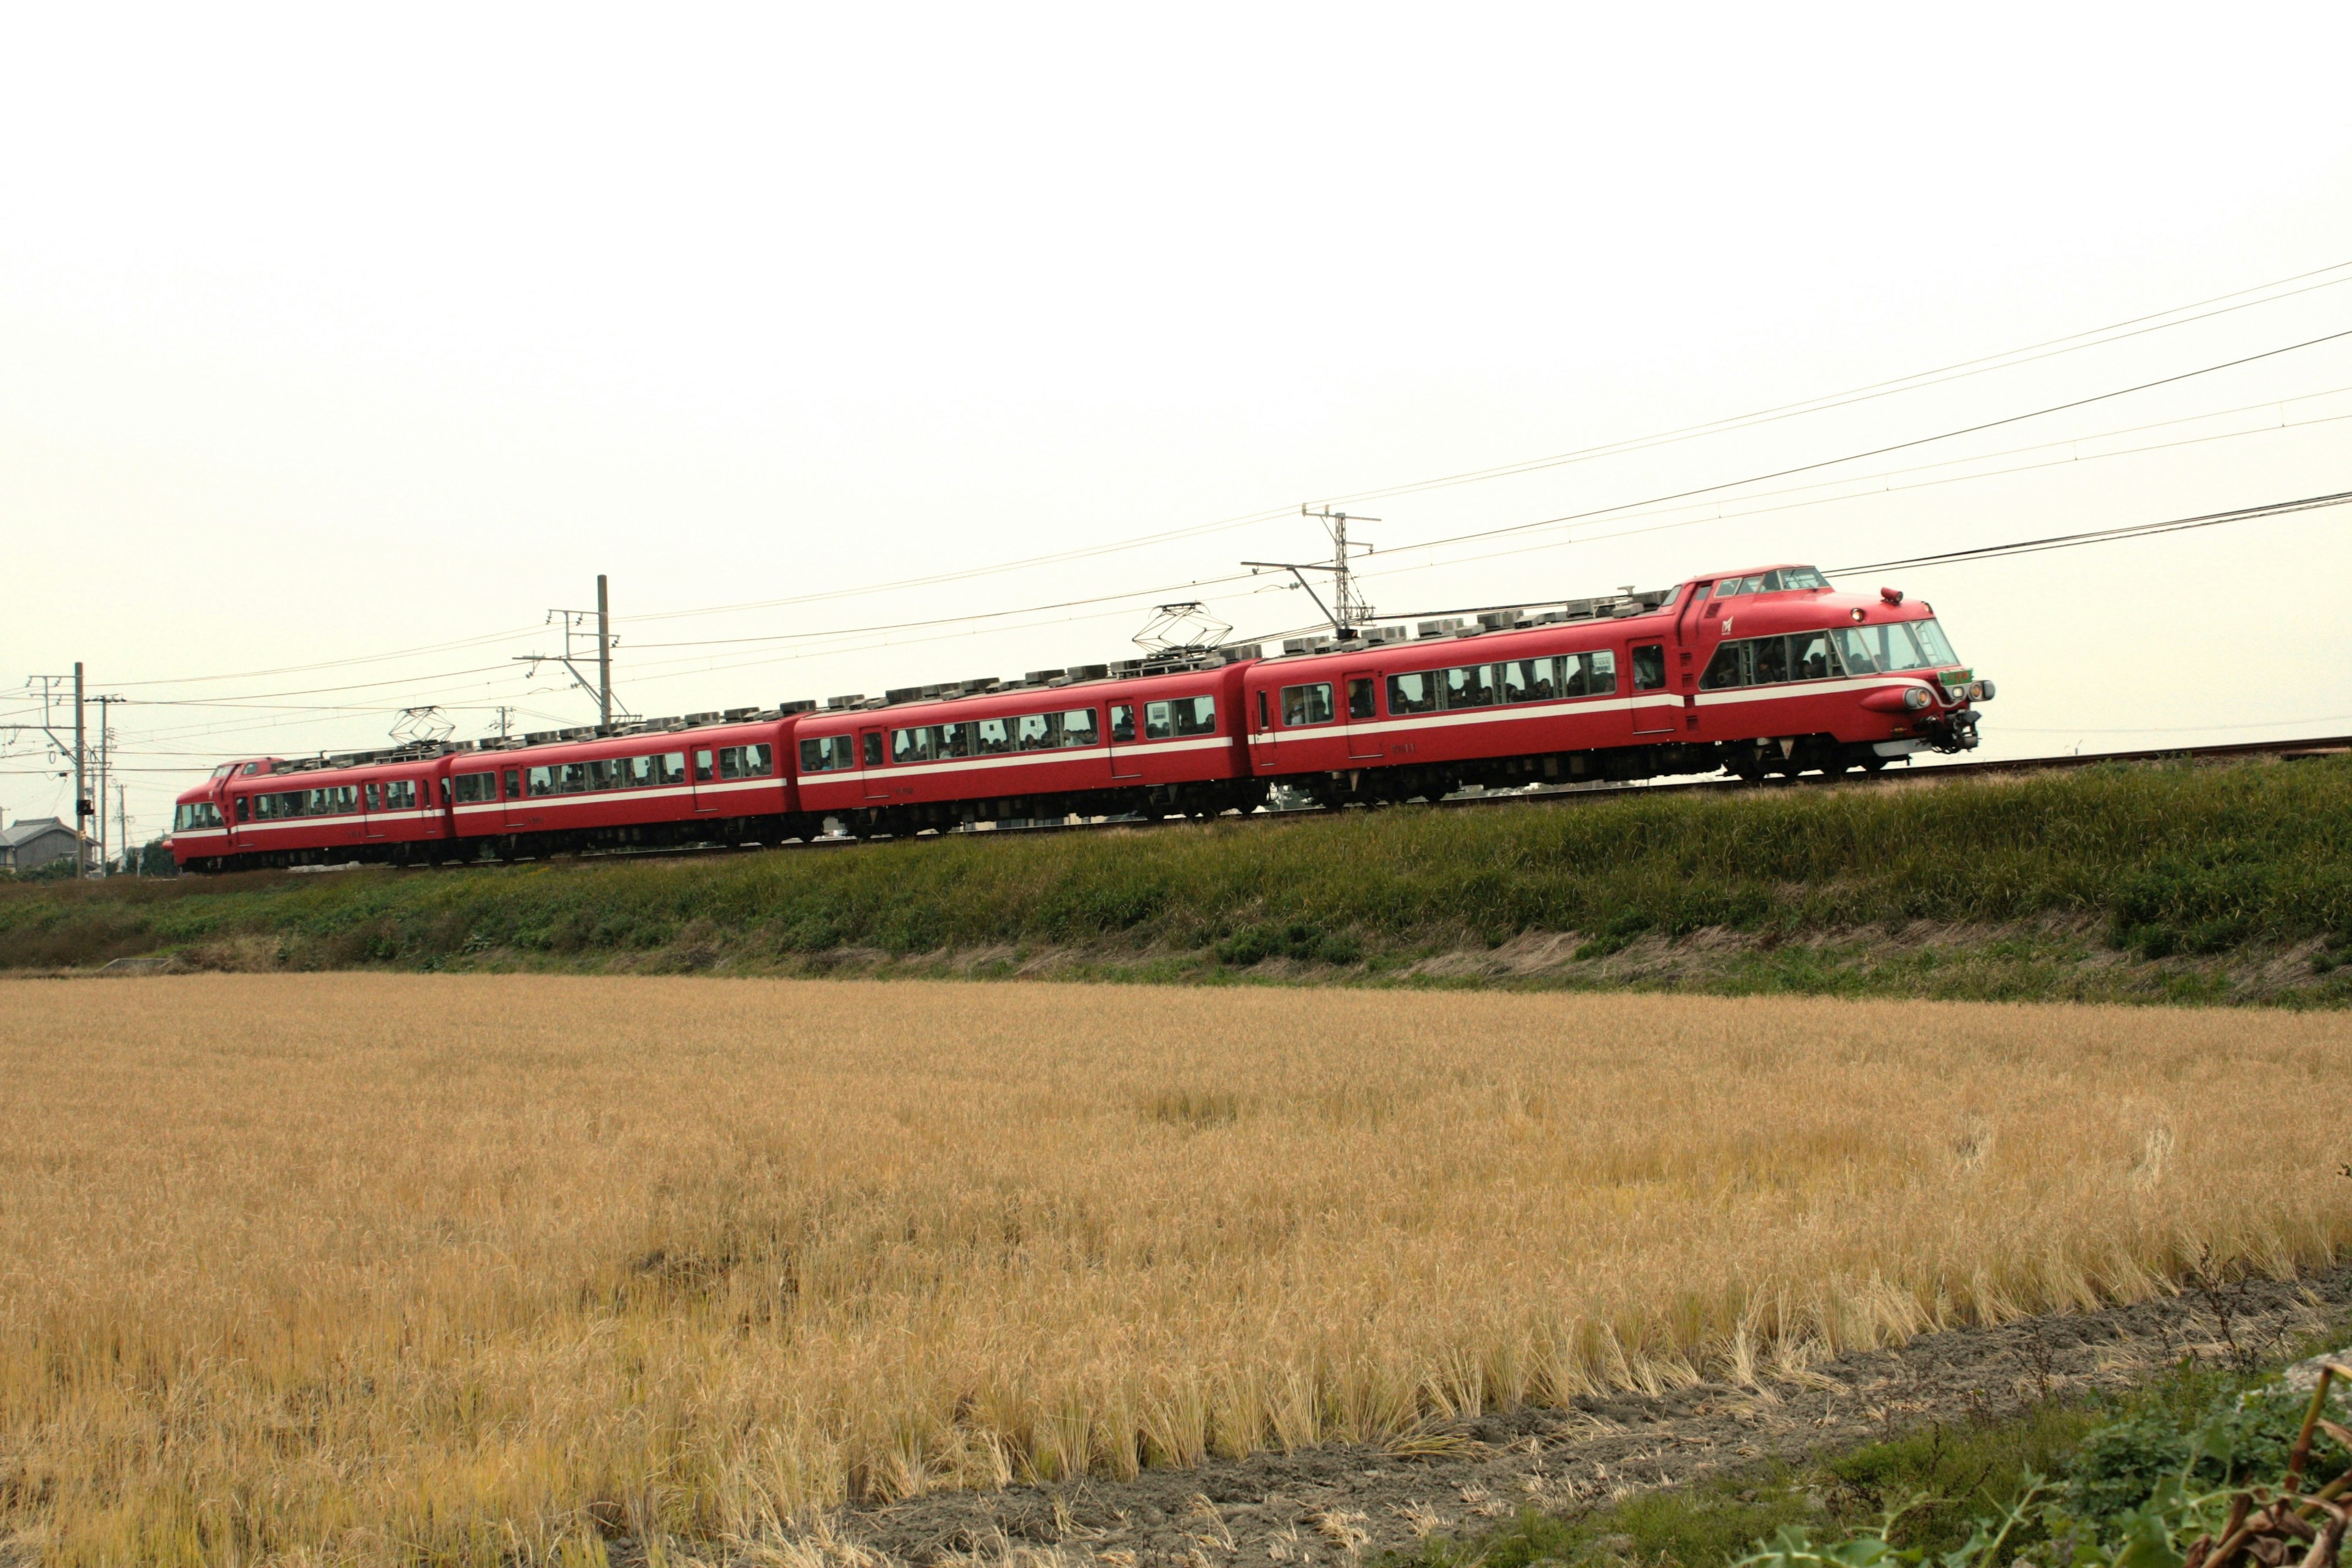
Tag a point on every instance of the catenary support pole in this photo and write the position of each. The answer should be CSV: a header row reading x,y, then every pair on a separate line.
x,y
604,655
81,785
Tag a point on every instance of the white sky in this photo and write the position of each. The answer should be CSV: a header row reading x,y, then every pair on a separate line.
x,y
327,334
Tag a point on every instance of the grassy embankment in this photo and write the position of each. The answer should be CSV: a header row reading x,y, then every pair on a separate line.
x,y
2177,883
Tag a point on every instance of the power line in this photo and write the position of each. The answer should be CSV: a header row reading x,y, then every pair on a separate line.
x,y
1880,451
1721,515
2094,337
2007,359
2102,535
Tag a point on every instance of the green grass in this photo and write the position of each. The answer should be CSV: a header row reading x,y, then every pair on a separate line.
x,y
1927,1491
2129,880
1941,1478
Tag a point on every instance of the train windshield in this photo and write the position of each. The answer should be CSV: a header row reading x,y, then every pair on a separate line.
x,y
1894,645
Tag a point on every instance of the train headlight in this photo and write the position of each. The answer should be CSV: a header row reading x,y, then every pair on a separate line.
x,y
1915,697
1981,691
1858,614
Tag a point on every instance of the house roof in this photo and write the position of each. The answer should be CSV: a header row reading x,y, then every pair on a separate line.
x,y
24,832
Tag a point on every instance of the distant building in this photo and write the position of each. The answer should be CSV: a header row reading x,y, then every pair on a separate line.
x,y
35,843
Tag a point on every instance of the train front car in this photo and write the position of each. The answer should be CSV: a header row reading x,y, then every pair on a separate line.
x,y
1783,673
1753,672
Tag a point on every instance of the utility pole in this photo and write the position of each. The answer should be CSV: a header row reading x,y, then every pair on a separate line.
x,y
603,656
81,785
1347,611
122,825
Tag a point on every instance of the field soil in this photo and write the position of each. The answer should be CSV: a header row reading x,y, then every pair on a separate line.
x,y
1341,1503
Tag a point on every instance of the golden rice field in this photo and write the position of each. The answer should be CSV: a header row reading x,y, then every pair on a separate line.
x,y
373,1269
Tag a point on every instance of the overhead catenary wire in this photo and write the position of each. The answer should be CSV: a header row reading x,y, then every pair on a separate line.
x,y
2264,293
1880,451
2031,354
2092,338
2101,535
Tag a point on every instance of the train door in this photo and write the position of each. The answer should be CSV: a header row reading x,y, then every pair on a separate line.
x,y
1654,705
372,813
1261,731
1363,734
705,776
510,801
869,765
1124,733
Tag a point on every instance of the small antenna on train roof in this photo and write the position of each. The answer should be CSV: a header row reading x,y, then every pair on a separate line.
x,y
1347,612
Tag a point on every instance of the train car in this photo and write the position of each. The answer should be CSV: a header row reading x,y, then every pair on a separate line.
x,y
722,782
1159,744
1769,670
1764,672
268,812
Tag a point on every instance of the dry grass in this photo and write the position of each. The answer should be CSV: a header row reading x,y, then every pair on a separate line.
x,y
376,1268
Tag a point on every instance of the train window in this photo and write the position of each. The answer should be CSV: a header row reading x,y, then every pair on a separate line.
x,y
1122,722
1195,715
1728,586
1804,578
703,764
514,784
1897,645
1816,657
1769,661
816,756
957,740
1359,697
1523,679
755,761
1157,725
604,773
1467,686
242,815
1932,646
1728,668
1414,693
542,781
1036,732
1309,704
872,748
995,737
673,768
1263,722
1649,667
637,773
470,788
911,746
367,798
1078,727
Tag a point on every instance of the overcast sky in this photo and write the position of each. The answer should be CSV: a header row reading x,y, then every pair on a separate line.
x,y
326,335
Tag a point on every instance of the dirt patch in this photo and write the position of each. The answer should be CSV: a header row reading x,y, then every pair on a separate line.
x,y
1344,1503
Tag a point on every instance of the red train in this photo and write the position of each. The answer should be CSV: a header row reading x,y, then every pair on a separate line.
x,y
1752,672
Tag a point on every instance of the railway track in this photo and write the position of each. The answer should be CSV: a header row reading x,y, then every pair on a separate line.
x,y
2321,746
